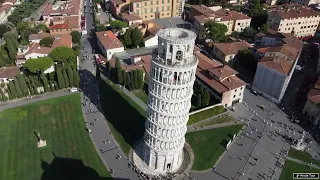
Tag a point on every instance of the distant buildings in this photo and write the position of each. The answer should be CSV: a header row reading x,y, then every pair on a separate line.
x,y
312,107
220,80
156,9
305,2
109,43
131,18
235,21
226,52
298,20
62,17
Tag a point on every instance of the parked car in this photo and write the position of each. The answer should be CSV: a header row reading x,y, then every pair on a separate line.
x,y
254,92
72,90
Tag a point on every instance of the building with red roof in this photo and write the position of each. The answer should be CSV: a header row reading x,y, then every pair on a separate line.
x,y
312,107
220,80
109,43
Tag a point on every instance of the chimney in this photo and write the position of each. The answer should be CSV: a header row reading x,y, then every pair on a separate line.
x,y
104,34
38,47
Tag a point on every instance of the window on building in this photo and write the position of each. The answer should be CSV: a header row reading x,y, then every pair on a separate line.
x,y
151,15
138,12
137,5
234,96
151,10
162,1
169,1
157,9
145,16
179,55
157,2
168,7
170,49
145,10
145,3
151,2
239,24
162,8
235,90
168,14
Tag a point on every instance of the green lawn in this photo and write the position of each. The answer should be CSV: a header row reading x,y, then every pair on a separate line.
x,y
209,145
226,118
291,167
126,118
194,118
141,95
69,153
303,156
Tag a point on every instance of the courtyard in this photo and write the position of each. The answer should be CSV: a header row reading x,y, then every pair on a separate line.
x,y
69,153
209,145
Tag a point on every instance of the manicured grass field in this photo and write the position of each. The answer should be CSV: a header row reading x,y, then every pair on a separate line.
x,y
209,145
141,95
291,167
69,153
197,117
303,156
224,119
126,118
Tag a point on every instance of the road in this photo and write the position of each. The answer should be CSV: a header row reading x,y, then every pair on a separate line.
x,y
100,133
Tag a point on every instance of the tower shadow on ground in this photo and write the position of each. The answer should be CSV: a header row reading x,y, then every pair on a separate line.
x,y
69,169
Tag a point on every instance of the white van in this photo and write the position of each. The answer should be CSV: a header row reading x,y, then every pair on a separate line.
x,y
73,90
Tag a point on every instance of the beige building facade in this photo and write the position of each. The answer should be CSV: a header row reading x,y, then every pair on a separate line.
x,y
299,20
156,9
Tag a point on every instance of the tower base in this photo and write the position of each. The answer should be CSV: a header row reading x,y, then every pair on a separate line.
x,y
141,166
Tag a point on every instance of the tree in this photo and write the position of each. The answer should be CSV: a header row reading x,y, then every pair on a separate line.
x,y
198,100
76,37
215,31
127,38
124,75
63,55
76,78
24,37
11,50
18,88
255,8
45,82
132,81
136,37
109,69
118,24
70,75
31,90
12,89
140,79
248,32
128,80
41,27
199,2
46,42
23,85
66,79
119,71
39,64
98,75
135,79
3,29
264,28
60,78
247,60
21,26
205,98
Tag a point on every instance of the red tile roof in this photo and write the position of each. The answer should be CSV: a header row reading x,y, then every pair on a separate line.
x,y
39,36
35,48
288,51
59,26
314,95
281,64
9,72
226,79
109,40
63,40
232,48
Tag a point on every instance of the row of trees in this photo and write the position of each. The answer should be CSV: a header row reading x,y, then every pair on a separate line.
x,y
201,96
133,80
23,86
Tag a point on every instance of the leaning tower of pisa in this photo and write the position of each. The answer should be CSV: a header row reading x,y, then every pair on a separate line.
x,y
171,82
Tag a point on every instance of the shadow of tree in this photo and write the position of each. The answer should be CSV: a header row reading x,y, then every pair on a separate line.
x,y
69,169
224,143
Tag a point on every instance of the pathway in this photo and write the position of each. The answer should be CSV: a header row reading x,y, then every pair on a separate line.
x,y
212,126
208,119
135,99
302,162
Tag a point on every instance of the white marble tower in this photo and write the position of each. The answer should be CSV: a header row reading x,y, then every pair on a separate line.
x,y
171,82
